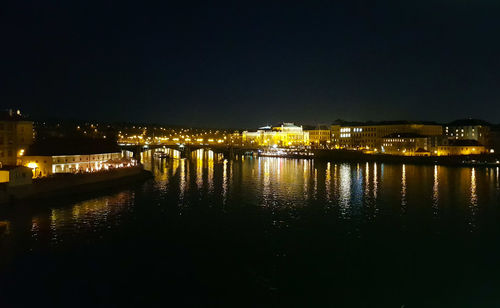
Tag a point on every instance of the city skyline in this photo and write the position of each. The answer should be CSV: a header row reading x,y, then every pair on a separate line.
x,y
55,121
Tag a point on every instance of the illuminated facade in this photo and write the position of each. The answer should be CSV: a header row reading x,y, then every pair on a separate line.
x,y
370,136
50,164
468,129
319,135
407,144
461,147
16,135
284,134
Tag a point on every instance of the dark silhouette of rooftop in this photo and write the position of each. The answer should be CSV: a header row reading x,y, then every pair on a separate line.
x,y
374,123
469,122
72,146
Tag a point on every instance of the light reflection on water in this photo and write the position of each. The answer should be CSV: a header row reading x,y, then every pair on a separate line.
x,y
435,192
351,192
403,189
224,183
328,182
345,190
473,199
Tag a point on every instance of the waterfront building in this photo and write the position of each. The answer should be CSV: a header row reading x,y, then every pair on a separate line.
x,y
16,135
45,165
283,134
255,137
460,147
408,144
71,155
468,129
318,135
369,135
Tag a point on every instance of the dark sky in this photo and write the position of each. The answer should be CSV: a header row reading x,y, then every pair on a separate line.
x,y
245,64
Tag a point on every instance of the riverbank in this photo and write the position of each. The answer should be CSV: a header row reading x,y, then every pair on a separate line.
x,y
70,184
358,156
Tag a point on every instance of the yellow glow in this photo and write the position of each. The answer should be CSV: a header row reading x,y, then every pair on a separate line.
x,y
32,165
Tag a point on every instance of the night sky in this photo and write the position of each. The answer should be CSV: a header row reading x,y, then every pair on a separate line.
x,y
245,64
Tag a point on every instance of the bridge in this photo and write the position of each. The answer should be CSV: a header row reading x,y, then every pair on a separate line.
x,y
187,150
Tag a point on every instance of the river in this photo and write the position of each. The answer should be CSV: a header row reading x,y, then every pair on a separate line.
x,y
262,232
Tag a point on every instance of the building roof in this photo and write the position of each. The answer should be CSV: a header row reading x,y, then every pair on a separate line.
x,y
404,135
420,150
267,127
316,127
469,122
286,124
72,146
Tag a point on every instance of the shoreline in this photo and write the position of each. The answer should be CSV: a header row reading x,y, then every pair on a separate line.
x,y
480,160
73,184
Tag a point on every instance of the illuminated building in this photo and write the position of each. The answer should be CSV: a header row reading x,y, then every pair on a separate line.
x,y
283,134
255,138
16,135
460,147
408,144
318,135
45,165
468,129
370,135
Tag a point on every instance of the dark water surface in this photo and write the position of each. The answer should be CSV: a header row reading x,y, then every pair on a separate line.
x,y
262,232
